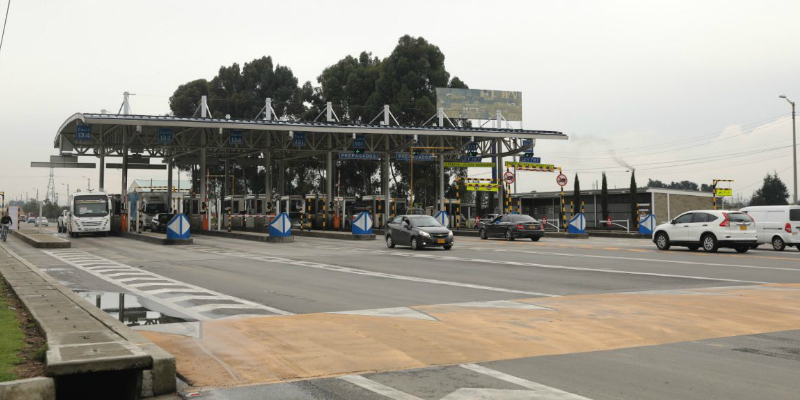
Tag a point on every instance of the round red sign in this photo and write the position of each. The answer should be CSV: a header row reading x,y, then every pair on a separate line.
x,y
561,179
508,177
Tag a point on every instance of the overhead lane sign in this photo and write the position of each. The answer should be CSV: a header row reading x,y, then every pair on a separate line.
x,y
459,164
531,166
361,156
481,187
417,157
723,192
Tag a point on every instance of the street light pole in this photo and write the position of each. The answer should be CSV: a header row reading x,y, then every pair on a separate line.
x,y
794,148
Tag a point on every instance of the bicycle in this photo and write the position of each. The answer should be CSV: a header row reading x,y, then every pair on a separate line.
x,y
4,232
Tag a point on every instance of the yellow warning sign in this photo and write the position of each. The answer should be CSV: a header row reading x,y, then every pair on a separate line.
x,y
724,192
481,187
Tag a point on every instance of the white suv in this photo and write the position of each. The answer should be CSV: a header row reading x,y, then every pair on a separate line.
x,y
709,229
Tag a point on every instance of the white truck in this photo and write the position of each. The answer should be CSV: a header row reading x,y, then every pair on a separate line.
x,y
152,204
88,212
62,222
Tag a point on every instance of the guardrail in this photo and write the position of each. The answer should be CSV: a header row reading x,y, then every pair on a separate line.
x,y
618,222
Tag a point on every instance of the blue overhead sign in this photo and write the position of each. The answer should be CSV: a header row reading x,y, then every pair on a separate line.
x,y
359,142
468,159
472,146
235,138
83,132
165,135
418,157
535,160
299,139
363,156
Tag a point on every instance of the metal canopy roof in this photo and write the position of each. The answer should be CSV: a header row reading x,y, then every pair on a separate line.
x,y
138,134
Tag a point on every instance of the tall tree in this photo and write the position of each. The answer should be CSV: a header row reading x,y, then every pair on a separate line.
x,y
634,206
604,197
577,193
773,192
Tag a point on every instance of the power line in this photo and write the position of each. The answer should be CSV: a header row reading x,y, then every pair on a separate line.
x,y
5,23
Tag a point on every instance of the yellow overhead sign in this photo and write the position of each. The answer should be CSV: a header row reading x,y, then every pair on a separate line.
x,y
481,187
724,192
525,165
469,164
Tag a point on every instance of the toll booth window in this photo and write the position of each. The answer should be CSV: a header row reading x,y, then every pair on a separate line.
x,y
235,207
260,207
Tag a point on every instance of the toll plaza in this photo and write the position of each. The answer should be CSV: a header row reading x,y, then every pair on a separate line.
x,y
268,150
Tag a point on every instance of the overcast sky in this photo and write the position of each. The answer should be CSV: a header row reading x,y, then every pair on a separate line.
x,y
679,90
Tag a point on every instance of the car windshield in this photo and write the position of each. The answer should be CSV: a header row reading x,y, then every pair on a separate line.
x,y
740,217
91,206
155,208
424,221
164,218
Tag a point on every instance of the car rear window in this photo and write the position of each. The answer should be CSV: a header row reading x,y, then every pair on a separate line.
x,y
740,217
523,218
794,214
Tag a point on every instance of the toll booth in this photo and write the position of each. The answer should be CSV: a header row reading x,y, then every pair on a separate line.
x,y
314,205
192,208
292,205
248,212
375,204
117,210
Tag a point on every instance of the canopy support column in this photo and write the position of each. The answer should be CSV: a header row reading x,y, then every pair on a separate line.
x,y
267,177
328,178
169,185
441,182
387,196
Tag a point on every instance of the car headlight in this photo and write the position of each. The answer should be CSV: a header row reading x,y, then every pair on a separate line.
x,y
450,234
423,233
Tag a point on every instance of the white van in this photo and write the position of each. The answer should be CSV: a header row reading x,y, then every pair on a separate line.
x,y
779,225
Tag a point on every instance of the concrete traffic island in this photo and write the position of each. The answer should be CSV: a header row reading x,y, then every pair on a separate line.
x,y
90,354
41,240
247,235
154,238
341,235
28,389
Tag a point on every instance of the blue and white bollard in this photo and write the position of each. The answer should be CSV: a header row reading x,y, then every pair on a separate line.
x,y
362,224
442,217
281,225
577,224
178,227
647,225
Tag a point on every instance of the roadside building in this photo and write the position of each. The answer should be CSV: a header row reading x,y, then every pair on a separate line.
x,y
664,203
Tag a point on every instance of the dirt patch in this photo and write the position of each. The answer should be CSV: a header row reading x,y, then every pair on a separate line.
x,y
32,357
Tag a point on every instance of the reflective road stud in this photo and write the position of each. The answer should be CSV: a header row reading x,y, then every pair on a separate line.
x,y
178,227
647,225
281,225
363,224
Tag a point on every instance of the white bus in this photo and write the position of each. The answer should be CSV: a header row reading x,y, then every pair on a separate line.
x,y
89,212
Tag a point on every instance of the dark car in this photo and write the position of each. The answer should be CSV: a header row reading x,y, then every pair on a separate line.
x,y
160,221
486,219
418,231
512,226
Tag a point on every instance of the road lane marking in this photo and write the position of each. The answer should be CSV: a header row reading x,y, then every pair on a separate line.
x,y
394,312
542,391
378,388
356,271
650,259
546,266
140,289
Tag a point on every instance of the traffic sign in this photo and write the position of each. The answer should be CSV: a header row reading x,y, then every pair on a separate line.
x,y
83,132
532,160
299,139
363,224
723,192
178,227
442,217
235,138
508,177
544,220
165,135
577,224
561,179
281,225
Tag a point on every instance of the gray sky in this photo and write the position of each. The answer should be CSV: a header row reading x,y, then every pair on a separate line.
x,y
659,84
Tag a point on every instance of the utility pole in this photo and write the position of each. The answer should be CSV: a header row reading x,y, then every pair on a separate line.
x,y
794,148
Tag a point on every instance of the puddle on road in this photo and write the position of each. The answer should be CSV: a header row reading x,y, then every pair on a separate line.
x,y
127,308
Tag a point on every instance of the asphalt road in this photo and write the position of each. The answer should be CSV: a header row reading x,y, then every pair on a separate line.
x,y
610,347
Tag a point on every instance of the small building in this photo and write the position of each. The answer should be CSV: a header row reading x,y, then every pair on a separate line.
x,y
664,203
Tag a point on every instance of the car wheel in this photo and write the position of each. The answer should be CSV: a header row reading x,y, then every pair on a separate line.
x,y
448,247
482,234
778,244
415,244
742,249
535,239
509,235
662,241
693,247
389,242
754,246
710,243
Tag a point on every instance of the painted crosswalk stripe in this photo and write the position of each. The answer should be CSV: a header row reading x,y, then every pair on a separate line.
x,y
378,388
542,392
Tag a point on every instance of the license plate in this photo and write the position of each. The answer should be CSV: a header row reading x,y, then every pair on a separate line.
x,y
531,226
440,241
743,227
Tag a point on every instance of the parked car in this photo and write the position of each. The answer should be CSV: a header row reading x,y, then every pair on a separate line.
x,y
709,229
778,225
418,231
512,226
159,222
41,221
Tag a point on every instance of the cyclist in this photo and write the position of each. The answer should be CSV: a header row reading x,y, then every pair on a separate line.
x,y
6,223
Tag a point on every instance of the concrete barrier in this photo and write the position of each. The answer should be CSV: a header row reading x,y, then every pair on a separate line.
x,y
343,235
90,354
154,238
243,235
41,240
28,389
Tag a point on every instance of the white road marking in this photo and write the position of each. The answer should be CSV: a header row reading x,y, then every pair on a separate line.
x,y
140,290
536,265
378,388
510,304
543,392
395,312
493,394
356,271
648,260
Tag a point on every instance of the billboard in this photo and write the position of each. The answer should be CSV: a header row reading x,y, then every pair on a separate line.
x,y
479,104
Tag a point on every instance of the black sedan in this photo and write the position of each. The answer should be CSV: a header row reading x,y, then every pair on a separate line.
x,y
418,231
512,226
159,222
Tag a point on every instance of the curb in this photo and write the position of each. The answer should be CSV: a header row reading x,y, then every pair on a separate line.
x,y
246,236
59,244
153,240
332,235
28,389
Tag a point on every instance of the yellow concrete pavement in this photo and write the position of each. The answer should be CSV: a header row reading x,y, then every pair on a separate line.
x,y
280,348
